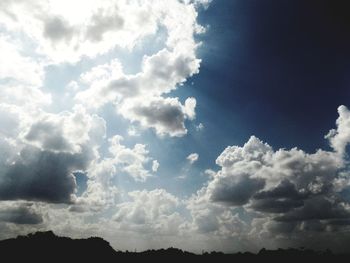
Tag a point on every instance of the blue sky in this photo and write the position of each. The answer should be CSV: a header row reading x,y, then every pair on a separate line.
x,y
276,68
204,125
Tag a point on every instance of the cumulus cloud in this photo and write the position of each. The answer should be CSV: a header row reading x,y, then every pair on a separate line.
x,y
62,34
150,211
35,172
131,160
40,153
192,158
57,34
66,131
282,191
141,97
19,213
138,97
101,193
165,115
340,137
102,22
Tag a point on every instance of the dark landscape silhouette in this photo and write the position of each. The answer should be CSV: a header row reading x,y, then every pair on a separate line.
x,y
46,246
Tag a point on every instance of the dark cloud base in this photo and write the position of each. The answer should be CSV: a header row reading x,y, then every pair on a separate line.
x,y
42,176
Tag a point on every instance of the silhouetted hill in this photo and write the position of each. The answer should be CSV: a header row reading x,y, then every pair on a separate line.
x,y
47,247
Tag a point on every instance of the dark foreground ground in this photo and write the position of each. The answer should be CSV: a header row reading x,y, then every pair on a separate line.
x,y
47,247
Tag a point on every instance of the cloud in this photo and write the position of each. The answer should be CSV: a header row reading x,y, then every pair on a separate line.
x,y
57,29
192,158
212,218
40,153
102,22
280,199
165,115
65,35
155,166
101,193
35,172
340,137
235,189
66,131
282,192
16,67
141,97
131,160
138,97
150,211
200,127
19,213
24,96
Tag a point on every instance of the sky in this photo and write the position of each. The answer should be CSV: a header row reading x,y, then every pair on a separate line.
x,y
198,124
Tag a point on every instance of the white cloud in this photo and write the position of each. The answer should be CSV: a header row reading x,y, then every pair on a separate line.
x,y
141,97
340,137
62,34
66,131
101,193
138,97
150,211
200,127
17,67
131,160
192,158
24,96
155,166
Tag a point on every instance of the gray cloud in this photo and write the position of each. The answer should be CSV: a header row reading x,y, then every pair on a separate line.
x,y
141,97
162,114
42,176
57,29
165,115
23,214
49,135
317,208
272,205
235,190
280,199
102,23
287,196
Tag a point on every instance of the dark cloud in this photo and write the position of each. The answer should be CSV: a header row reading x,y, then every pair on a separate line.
x,y
23,214
280,199
236,190
271,205
49,135
284,190
165,115
42,175
316,208
162,114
